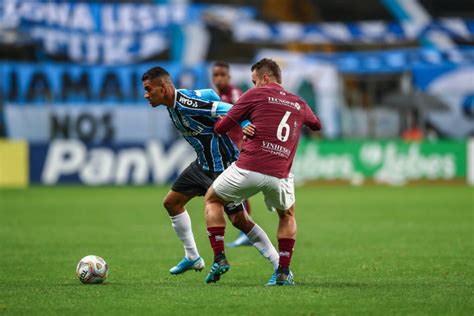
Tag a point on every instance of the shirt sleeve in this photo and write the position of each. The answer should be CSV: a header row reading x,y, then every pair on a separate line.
x,y
224,125
311,120
241,110
198,105
208,94
221,108
237,114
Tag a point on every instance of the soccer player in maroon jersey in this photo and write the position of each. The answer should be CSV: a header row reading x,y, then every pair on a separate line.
x,y
264,164
230,94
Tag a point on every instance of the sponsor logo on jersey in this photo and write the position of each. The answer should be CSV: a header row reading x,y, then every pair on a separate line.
x,y
279,101
276,149
185,101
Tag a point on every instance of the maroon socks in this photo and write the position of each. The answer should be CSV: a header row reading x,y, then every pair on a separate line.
x,y
216,237
285,247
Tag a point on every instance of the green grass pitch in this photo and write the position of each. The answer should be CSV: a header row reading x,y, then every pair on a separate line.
x,y
360,250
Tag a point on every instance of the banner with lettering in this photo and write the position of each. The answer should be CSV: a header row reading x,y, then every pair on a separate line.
x,y
342,33
72,161
106,104
91,32
153,161
26,83
390,162
97,124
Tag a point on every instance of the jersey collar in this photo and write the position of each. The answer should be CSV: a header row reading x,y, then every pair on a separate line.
x,y
274,85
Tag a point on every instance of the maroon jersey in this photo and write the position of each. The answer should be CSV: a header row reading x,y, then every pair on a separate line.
x,y
230,95
278,117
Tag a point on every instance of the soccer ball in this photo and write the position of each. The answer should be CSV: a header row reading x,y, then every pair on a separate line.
x,y
92,269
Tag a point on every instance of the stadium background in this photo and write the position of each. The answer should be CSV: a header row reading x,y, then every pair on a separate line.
x,y
377,74
393,83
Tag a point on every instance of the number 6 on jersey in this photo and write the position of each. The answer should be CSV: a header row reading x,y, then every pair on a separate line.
x,y
284,127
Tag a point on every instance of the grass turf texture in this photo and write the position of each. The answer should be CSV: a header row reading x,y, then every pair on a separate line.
x,y
364,250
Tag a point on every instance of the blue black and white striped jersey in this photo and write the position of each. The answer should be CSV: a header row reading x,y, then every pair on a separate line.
x,y
194,114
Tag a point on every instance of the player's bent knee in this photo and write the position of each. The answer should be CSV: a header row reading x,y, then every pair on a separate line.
x,y
173,205
212,197
210,194
167,203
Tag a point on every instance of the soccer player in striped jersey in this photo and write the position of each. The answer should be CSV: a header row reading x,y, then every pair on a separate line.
x,y
194,113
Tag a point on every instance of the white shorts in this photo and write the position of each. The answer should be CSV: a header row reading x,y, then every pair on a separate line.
x,y
236,185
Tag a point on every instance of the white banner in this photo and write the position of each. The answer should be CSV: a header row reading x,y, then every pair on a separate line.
x,y
90,123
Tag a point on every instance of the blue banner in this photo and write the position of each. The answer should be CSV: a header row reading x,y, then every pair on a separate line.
x,y
397,60
105,33
385,61
139,164
24,83
343,33
94,32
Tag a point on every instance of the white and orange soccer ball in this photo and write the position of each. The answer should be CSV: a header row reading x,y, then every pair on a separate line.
x,y
92,270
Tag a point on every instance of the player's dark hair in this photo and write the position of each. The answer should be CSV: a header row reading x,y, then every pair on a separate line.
x,y
156,72
221,64
268,66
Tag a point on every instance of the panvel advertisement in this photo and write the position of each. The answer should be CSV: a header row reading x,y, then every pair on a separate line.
x,y
153,162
